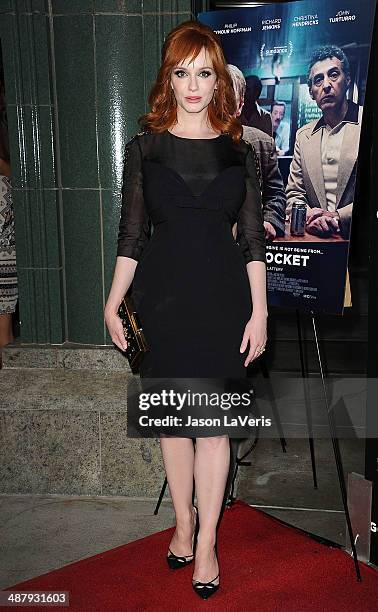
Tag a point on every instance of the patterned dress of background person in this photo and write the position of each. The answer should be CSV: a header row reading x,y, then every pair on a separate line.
x,y
8,271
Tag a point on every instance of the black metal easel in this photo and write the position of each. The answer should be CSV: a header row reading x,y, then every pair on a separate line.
x,y
307,401
334,438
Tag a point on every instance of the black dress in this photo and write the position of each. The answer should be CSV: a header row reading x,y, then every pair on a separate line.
x,y
180,199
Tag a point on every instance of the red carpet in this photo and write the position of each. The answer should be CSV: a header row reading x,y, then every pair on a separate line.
x,y
265,566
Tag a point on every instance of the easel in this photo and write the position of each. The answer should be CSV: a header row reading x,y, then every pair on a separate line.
x,y
335,442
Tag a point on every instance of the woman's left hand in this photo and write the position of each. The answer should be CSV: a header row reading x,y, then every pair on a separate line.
x,y
255,333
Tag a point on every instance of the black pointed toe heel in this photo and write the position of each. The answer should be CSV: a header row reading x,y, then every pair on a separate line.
x,y
205,589
176,561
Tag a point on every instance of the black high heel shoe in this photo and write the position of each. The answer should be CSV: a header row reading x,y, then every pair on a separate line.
x,y
175,561
206,589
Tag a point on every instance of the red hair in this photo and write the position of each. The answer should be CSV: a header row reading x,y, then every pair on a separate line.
x,y
185,42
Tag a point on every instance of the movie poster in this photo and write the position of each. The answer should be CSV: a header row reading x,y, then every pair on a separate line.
x,y
299,71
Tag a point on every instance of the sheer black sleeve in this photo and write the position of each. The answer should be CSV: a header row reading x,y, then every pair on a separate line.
x,y
250,227
134,226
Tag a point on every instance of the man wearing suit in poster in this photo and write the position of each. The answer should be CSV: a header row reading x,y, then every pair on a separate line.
x,y
323,169
273,191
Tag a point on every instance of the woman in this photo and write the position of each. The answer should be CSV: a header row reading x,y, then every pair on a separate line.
x,y
8,271
192,178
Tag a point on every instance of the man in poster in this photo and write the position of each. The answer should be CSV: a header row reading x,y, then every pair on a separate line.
x,y
281,128
323,169
253,115
273,191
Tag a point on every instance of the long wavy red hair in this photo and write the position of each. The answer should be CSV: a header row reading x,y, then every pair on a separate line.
x,y
185,42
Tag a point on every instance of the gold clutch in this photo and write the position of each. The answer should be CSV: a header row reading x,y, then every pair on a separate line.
x,y
134,336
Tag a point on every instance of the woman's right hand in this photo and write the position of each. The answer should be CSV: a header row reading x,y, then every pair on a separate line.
x,y
115,327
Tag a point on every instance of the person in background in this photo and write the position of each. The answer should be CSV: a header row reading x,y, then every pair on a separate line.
x,y
323,170
8,271
281,129
273,191
253,115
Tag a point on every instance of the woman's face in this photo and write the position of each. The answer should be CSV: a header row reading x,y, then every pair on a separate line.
x,y
194,83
